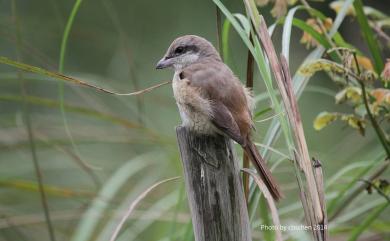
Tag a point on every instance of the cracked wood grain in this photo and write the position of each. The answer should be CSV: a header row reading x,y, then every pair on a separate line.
x,y
214,187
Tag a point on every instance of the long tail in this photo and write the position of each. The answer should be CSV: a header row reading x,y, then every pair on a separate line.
x,y
259,163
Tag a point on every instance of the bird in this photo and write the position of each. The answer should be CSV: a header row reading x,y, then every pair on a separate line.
x,y
212,100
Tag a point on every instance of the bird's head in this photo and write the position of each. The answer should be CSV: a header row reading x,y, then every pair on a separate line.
x,y
187,50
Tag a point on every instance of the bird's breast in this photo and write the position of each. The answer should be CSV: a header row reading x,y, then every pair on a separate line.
x,y
195,110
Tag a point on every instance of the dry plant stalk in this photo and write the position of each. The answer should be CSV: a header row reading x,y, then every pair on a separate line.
x,y
133,204
318,174
311,199
270,201
59,76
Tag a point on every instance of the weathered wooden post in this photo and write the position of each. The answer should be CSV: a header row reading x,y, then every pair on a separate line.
x,y
214,189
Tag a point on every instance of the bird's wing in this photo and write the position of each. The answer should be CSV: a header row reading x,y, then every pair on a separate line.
x,y
217,84
224,121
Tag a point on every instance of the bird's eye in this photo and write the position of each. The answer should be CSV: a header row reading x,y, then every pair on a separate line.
x,y
179,50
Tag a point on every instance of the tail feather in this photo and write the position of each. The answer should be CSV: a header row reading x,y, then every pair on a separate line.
x,y
262,169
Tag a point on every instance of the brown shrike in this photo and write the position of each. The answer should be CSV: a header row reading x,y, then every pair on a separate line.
x,y
211,99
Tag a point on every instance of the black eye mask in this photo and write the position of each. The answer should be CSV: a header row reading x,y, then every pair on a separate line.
x,y
184,49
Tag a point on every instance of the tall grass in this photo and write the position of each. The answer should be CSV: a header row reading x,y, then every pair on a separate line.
x,y
95,215
30,134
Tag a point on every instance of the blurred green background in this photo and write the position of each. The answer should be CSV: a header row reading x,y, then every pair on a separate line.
x,y
116,44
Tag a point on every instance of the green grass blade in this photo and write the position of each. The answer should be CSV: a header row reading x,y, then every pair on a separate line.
x,y
188,234
225,39
89,222
241,32
299,83
65,36
61,90
286,36
344,171
50,103
337,38
368,36
44,72
310,30
134,231
263,67
57,191
354,212
338,200
267,234
356,232
262,112
178,206
320,38
244,22
27,123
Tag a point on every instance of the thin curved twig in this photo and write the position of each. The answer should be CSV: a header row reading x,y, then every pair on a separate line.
x,y
41,71
134,204
378,130
270,202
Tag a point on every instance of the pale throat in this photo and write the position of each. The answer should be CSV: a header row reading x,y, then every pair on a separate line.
x,y
185,61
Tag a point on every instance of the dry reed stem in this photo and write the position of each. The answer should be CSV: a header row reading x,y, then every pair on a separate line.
x,y
313,198
270,202
321,193
310,197
134,204
41,71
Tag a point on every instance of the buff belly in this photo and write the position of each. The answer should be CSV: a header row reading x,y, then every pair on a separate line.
x,y
195,111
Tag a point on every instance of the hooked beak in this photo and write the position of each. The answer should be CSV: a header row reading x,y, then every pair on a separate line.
x,y
163,63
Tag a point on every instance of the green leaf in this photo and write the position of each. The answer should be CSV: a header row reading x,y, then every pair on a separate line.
x,y
354,122
361,110
351,93
320,38
339,40
323,119
368,36
312,67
